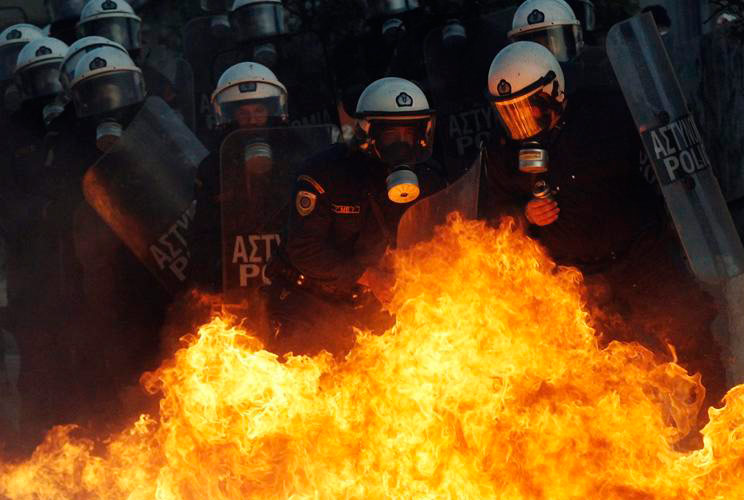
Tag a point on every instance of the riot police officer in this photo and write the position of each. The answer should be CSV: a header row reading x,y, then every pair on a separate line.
x,y
248,96
570,175
12,40
554,25
347,203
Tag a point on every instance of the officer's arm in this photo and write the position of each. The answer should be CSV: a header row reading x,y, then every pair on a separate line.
x,y
309,245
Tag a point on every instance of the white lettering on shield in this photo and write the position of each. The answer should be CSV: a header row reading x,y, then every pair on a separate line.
x,y
251,253
171,249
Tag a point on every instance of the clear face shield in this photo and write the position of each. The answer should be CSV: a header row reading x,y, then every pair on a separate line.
x,y
401,143
531,111
8,58
565,41
259,20
106,93
122,30
251,105
41,80
64,10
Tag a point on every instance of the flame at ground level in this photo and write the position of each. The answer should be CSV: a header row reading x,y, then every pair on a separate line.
x,y
490,386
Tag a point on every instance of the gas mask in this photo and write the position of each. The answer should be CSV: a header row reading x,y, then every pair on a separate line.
x,y
454,35
392,31
54,109
108,132
533,158
266,54
402,185
257,157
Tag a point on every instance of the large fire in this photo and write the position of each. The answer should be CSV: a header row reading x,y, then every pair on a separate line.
x,y
491,385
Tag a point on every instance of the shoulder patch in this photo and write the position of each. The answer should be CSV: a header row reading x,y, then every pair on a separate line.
x,y
315,184
305,202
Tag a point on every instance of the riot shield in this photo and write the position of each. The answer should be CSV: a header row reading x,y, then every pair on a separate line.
x,y
258,169
201,44
143,187
171,79
673,144
419,221
457,80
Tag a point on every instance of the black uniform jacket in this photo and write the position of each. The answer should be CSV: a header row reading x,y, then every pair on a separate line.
x,y
342,220
605,203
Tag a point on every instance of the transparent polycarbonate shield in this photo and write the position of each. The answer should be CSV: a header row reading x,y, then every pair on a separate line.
x,y
143,187
202,42
171,79
674,146
458,81
258,170
419,221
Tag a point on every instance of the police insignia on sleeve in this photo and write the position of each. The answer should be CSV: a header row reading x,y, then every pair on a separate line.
x,y
305,202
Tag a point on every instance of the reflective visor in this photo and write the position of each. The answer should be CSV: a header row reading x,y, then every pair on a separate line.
x,y
8,58
403,142
563,41
40,81
527,116
256,21
123,30
107,93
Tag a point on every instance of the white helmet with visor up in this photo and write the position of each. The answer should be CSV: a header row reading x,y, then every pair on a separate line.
x,y
250,95
396,125
527,89
552,24
112,19
37,67
12,40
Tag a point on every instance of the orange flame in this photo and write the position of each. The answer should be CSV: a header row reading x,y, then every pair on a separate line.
x,y
491,385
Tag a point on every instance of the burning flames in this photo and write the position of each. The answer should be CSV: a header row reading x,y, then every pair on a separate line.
x,y
491,385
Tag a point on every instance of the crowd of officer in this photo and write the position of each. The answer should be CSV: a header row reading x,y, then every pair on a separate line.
x,y
121,192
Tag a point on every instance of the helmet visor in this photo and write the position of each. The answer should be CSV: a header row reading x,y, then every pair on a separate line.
x,y
256,21
122,30
402,142
106,93
565,42
64,10
527,116
40,81
215,5
8,58
390,7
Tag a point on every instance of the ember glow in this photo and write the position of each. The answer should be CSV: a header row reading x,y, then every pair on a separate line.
x,y
491,385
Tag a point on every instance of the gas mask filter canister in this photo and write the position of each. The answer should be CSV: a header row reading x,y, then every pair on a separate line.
x,y
533,159
403,185
107,134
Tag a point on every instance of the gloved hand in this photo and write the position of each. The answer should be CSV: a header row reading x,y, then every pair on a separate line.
x,y
541,212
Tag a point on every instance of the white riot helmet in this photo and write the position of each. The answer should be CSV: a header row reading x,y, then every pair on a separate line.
x,y
37,67
12,40
257,19
396,125
64,10
527,89
106,82
382,8
76,51
112,19
552,24
250,95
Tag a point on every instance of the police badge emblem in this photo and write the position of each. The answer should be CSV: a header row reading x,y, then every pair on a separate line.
x,y
536,17
305,202
404,100
504,88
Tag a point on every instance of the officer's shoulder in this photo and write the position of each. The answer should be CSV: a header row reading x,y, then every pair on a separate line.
x,y
321,171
